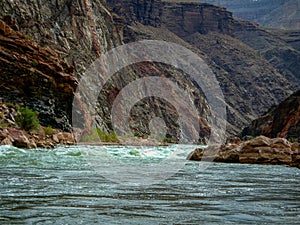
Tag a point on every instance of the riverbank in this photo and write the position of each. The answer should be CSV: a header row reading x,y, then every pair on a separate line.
x,y
12,133
260,150
22,139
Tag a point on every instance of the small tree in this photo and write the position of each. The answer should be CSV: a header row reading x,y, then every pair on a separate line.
x,y
27,119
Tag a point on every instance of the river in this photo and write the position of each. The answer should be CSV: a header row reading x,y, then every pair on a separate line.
x,y
62,186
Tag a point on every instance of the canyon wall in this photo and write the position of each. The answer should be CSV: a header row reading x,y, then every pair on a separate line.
x,y
251,80
181,18
79,31
35,77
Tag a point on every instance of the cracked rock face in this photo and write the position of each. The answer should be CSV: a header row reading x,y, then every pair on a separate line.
x,y
79,31
76,30
69,27
36,77
281,121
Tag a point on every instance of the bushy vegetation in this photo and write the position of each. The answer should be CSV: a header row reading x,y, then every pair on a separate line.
x,y
107,137
97,135
169,140
27,119
293,139
49,130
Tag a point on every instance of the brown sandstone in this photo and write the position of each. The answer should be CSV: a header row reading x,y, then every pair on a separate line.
x,y
260,150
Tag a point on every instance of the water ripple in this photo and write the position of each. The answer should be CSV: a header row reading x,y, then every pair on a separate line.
x,y
59,187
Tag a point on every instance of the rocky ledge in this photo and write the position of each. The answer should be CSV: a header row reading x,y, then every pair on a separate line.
x,y
260,150
22,139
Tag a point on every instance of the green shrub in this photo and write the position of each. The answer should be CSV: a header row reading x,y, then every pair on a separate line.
x,y
92,137
3,124
110,137
97,134
27,119
35,62
49,130
169,140
293,139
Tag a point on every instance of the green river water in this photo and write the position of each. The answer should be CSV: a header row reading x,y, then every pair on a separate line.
x,y
62,186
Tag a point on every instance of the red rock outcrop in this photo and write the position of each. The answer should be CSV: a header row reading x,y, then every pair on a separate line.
x,y
37,77
260,150
282,121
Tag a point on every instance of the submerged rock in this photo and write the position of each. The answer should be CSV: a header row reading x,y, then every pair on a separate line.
x,y
260,150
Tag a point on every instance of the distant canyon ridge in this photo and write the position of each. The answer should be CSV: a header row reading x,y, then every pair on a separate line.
x,y
279,14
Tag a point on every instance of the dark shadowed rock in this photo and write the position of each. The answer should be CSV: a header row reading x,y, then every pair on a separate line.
x,y
36,77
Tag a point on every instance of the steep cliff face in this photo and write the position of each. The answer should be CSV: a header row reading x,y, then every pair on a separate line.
x,y
249,81
281,51
36,77
281,121
188,18
80,30
146,12
250,84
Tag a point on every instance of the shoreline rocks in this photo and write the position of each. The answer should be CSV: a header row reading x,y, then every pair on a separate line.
x,y
22,139
42,137
260,150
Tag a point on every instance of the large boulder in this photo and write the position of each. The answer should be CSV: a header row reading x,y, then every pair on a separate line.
x,y
224,153
19,139
260,150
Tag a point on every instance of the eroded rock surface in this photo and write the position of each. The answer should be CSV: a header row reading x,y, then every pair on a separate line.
x,y
251,84
260,150
35,76
281,121
80,30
